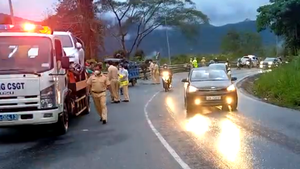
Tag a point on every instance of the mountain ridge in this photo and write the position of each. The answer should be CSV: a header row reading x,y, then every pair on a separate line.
x,y
208,40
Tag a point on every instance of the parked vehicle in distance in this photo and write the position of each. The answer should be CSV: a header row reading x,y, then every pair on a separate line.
x,y
269,63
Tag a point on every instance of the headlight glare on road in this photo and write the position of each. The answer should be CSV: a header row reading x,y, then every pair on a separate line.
x,y
231,88
192,89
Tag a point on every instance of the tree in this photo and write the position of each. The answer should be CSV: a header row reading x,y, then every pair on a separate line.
x,y
139,55
231,42
282,17
6,20
241,43
145,16
79,17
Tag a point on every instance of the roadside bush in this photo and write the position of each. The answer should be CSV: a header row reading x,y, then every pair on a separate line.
x,y
281,86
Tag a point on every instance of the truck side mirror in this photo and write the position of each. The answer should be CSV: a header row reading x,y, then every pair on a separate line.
x,y
65,62
78,45
58,50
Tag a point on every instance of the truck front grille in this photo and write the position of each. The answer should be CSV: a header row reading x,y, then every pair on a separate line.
x,y
20,103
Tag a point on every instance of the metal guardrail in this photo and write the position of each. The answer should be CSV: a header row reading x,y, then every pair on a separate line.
x,y
175,68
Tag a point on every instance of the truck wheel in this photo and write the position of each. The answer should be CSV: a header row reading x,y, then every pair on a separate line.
x,y
133,82
62,125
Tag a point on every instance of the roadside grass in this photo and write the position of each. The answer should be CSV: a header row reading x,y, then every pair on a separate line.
x,y
281,86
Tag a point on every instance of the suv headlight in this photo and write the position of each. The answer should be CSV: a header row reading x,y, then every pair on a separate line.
x,y
192,89
231,88
48,98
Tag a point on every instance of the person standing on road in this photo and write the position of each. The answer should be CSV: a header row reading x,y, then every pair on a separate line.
x,y
195,62
123,74
151,67
156,73
113,77
97,86
203,62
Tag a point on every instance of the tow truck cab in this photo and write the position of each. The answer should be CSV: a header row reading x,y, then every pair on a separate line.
x,y
34,83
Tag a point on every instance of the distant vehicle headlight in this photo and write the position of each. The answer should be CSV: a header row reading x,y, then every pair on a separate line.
x,y
270,63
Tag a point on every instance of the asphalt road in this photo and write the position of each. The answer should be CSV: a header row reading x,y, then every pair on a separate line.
x,y
151,132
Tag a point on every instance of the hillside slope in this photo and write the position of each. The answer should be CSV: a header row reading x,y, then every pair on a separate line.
x,y
209,39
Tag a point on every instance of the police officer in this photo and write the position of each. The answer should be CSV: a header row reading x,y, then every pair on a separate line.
x,y
156,73
113,77
203,61
123,75
97,85
195,62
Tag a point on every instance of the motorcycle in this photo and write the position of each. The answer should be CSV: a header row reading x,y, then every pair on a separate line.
x,y
166,81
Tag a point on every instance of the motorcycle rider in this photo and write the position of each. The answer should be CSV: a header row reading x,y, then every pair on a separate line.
x,y
165,68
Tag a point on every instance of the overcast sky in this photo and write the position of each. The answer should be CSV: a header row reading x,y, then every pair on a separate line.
x,y
220,12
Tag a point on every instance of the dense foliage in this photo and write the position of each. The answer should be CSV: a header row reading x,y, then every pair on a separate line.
x,y
282,17
281,86
242,43
79,17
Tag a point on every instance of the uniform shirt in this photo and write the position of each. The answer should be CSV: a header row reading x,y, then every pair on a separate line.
x,y
156,68
151,66
98,83
113,73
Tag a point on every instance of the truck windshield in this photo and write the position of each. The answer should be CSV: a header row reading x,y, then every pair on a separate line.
x,y
65,40
26,54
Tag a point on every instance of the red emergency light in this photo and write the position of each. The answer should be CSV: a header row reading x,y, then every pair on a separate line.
x,y
26,27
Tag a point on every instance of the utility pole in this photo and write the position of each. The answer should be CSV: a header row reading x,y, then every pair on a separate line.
x,y
168,43
11,12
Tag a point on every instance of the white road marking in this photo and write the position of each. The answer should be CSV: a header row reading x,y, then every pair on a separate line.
x,y
161,138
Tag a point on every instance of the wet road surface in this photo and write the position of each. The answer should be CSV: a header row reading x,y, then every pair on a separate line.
x,y
257,136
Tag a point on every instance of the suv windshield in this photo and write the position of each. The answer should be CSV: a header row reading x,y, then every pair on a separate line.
x,y
217,66
65,40
270,59
30,54
209,75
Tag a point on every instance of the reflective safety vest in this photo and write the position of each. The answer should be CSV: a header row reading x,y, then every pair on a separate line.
x,y
122,82
195,63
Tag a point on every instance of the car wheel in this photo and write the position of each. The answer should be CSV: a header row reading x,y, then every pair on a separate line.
x,y
189,111
225,107
233,107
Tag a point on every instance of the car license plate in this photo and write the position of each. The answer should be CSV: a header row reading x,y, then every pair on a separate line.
x,y
9,117
213,97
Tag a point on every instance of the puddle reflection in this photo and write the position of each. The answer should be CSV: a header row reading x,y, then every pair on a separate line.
x,y
229,141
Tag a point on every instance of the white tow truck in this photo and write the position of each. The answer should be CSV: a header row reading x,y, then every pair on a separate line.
x,y
35,88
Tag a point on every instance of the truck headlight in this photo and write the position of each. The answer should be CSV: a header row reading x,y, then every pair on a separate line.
x,y
48,98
